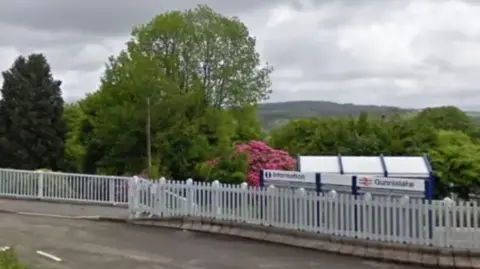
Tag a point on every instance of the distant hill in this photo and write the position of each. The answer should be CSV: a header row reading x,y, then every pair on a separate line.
x,y
475,116
473,113
276,114
273,115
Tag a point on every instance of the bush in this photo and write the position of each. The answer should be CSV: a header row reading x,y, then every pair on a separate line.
x,y
9,260
246,163
261,156
231,169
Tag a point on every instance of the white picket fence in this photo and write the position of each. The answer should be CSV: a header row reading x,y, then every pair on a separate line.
x,y
388,219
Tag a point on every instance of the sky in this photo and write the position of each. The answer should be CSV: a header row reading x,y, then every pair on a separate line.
x,y
383,52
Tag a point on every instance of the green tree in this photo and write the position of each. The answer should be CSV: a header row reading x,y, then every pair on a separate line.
x,y
231,169
456,161
408,137
203,50
32,129
446,118
363,135
197,68
74,151
297,136
247,125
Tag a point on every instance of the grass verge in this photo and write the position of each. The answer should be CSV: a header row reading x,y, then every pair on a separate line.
x,y
9,260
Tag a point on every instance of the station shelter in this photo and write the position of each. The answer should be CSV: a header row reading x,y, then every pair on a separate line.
x,y
377,175
397,177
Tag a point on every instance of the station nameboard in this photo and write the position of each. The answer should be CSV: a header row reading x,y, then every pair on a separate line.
x,y
403,184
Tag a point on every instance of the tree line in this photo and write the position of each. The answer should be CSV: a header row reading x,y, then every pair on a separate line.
x,y
184,92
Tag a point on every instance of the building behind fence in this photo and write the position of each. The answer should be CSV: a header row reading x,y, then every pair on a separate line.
x,y
382,218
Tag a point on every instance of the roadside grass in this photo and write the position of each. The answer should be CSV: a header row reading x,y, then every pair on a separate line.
x,y
9,260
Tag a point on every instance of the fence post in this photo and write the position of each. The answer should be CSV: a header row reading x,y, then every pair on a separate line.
x,y
189,197
111,190
40,185
243,202
300,220
162,197
216,199
449,206
365,215
406,222
269,212
332,205
132,198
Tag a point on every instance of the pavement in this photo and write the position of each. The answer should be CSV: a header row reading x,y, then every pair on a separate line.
x,y
63,209
91,244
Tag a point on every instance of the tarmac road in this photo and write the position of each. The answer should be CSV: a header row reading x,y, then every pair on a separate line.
x,y
83,244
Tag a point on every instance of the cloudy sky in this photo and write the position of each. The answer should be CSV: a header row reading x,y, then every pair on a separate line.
x,y
409,53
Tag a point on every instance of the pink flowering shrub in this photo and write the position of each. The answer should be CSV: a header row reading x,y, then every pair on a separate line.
x,y
261,156
236,169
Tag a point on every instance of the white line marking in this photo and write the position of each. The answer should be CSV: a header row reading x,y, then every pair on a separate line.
x,y
5,248
50,256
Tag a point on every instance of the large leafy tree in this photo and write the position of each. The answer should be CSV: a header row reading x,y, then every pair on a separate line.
x,y
32,130
199,71
448,118
363,135
456,161
74,151
199,50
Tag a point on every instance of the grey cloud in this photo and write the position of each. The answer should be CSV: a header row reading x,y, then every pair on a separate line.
x,y
78,36
440,64
26,39
106,17
323,60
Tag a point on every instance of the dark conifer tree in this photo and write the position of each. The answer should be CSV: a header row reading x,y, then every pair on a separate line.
x,y
32,131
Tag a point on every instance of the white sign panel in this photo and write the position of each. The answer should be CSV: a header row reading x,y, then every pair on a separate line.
x,y
403,184
288,176
333,179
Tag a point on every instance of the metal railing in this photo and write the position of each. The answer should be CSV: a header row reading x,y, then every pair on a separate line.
x,y
387,219
64,186
89,189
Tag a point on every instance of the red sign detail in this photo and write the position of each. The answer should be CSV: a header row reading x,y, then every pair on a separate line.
x,y
365,181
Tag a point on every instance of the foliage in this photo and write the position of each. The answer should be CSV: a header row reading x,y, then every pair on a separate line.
x,y
247,125
231,169
456,162
455,155
9,260
203,50
202,77
245,164
447,118
74,152
32,130
364,135
261,156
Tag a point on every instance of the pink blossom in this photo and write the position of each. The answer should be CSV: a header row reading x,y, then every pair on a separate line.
x,y
261,156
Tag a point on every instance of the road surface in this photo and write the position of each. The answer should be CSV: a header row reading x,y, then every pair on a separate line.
x,y
83,244
54,208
